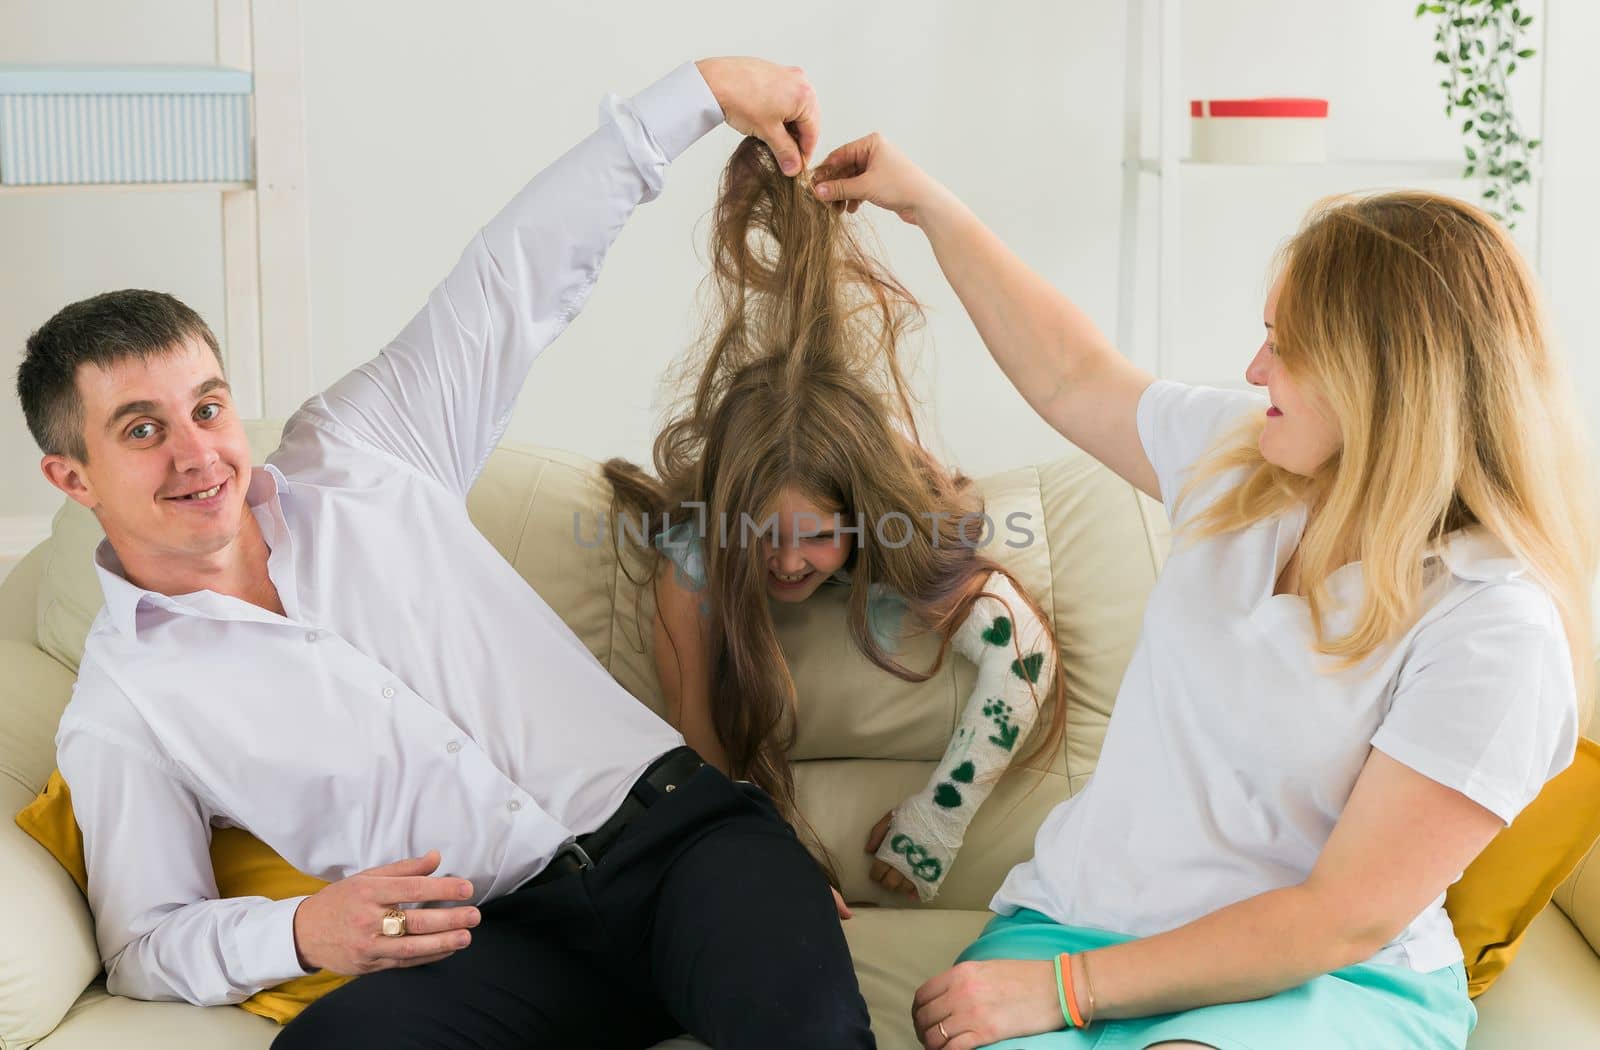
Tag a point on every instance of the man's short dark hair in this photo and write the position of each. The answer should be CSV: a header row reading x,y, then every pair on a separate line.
x,y
98,331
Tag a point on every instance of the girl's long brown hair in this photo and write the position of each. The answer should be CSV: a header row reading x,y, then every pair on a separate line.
x,y
799,383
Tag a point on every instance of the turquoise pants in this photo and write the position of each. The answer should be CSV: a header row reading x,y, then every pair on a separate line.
x,y
1373,1006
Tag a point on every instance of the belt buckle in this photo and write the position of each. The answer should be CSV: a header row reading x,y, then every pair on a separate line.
x,y
578,853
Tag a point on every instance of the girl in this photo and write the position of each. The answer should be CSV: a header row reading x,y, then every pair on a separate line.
x,y
1363,658
798,433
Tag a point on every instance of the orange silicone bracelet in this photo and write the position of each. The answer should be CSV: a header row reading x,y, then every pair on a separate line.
x,y
1066,984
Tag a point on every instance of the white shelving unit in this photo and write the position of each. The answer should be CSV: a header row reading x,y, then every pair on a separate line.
x,y
265,330
1169,168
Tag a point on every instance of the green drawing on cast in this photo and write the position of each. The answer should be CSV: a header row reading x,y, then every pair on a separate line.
x,y
999,633
999,712
947,794
923,866
1027,668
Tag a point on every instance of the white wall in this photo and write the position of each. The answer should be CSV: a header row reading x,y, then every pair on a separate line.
x,y
421,123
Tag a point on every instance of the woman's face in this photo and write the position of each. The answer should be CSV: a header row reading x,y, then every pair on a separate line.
x,y
809,547
1300,434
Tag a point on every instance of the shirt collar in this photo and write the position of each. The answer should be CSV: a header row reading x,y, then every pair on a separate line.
x,y
1470,553
123,596
1475,553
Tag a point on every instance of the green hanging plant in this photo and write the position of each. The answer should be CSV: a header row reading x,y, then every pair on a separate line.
x,y
1478,45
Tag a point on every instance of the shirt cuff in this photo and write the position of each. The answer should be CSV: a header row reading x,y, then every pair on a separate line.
x,y
264,939
677,110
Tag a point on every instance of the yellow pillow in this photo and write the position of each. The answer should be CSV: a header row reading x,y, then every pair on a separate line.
x,y
242,863
1511,881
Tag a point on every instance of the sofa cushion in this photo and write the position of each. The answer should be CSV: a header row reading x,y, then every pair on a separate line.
x,y
895,953
1550,1000
19,598
841,799
541,509
34,693
99,1020
69,592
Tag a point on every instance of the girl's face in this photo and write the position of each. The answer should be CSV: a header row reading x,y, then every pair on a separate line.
x,y
1300,434
809,547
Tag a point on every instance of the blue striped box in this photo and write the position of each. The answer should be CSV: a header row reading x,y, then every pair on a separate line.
x,y
110,124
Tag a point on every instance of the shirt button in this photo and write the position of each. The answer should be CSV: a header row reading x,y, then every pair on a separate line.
x,y
388,692
312,636
513,805
453,746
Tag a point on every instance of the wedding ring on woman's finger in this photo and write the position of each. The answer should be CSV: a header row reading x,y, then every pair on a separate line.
x,y
942,1033
394,923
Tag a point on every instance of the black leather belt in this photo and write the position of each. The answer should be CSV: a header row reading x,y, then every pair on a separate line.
x,y
665,775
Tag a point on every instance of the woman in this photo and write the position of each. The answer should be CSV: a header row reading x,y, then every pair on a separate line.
x,y
798,433
1363,658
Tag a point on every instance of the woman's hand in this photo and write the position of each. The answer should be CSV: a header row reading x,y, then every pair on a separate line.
x,y
774,103
870,169
979,1003
882,873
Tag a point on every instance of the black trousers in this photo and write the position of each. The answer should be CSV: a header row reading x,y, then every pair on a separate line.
x,y
706,916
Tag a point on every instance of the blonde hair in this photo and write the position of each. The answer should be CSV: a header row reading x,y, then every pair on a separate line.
x,y
1415,321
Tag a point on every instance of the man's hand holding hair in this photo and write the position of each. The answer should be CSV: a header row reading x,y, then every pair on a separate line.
x,y
774,103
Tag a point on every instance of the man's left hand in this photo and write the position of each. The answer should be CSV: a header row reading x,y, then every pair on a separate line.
x,y
979,1003
772,102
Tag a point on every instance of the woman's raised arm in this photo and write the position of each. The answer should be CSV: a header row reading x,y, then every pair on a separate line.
x,y
1049,349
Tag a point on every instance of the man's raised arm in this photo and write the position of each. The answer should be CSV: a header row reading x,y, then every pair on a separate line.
x,y
440,395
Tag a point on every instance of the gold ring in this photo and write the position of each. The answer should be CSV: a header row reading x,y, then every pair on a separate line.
x,y
942,1033
394,923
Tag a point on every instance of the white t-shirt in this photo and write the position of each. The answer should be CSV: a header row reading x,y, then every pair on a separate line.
x,y
1231,753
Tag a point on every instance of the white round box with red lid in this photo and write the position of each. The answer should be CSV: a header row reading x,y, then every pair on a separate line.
x,y
1259,130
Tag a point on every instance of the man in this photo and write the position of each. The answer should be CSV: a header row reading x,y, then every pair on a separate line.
x,y
325,652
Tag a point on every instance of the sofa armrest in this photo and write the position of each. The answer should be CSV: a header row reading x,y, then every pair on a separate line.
x,y
48,954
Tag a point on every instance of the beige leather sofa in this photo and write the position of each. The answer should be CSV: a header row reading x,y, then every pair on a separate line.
x,y
865,741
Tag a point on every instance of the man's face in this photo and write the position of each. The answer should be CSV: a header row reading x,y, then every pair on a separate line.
x,y
168,462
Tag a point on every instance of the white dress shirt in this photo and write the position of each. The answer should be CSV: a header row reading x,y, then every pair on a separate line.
x,y
417,694
1233,746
